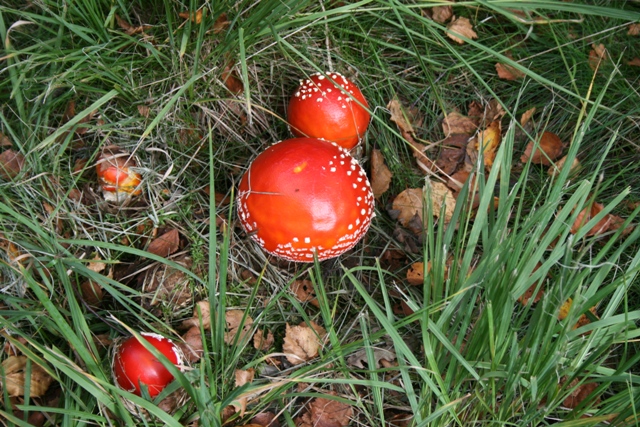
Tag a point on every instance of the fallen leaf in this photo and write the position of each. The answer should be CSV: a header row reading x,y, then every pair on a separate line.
x,y
582,320
244,376
634,29
266,419
508,72
408,204
195,17
487,143
460,27
144,110
14,377
301,343
415,273
304,292
96,265
92,293
557,167
201,316
398,116
11,164
262,343
165,244
635,62
231,80
221,23
597,55
585,216
526,116
401,118
192,346
380,174
236,328
330,413
402,419
549,149
455,122
164,286
580,393
359,358
128,28
441,196
5,141
452,153
441,14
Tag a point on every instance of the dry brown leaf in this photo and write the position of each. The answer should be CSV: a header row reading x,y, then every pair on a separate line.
x,y
144,110
402,419
301,343
359,358
452,153
442,195
550,148
165,244
244,376
96,265
441,14
304,292
221,23
128,28
92,293
398,116
581,393
195,17
585,216
526,116
408,204
5,141
262,343
266,419
634,29
192,346
415,273
401,118
231,80
11,164
236,329
460,27
487,143
635,62
597,55
582,320
455,122
557,167
201,316
14,371
380,174
330,413
507,72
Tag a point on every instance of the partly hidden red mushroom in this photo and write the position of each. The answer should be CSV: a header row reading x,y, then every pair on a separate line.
x,y
135,366
329,106
303,196
115,176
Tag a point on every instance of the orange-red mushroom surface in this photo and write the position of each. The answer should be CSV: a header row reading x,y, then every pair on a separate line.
x,y
331,107
303,196
115,177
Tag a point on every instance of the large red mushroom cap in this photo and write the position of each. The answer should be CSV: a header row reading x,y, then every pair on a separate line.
x,y
331,107
115,176
303,196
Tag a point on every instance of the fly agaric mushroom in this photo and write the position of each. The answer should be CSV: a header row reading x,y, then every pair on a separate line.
x,y
134,365
115,176
303,196
331,107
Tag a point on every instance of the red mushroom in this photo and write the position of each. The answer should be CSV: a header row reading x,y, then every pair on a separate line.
x,y
134,365
115,176
304,196
331,107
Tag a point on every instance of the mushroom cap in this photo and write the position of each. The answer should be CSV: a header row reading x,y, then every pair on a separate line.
x,y
133,364
115,177
331,107
305,195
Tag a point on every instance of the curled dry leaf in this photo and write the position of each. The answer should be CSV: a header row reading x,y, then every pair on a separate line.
x,y
266,419
221,24
441,14
92,293
262,343
14,369
398,116
192,346
579,393
507,72
144,111
526,116
359,358
166,286
301,343
128,28
304,292
557,167
401,118
166,244
587,214
5,141
380,174
597,55
549,149
635,62
236,328
487,143
329,413
201,316
11,163
231,80
452,153
195,17
455,122
441,196
460,27
634,29
582,320
243,377
408,205
415,273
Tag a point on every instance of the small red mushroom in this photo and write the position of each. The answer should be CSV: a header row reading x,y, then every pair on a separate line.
x,y
331,107
115,176
134,365
303,196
